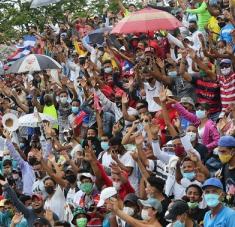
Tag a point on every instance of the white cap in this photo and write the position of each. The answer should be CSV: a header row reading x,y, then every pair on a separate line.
x,y
106,194
87,175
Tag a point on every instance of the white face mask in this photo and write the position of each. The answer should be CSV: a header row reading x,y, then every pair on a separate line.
x,y
225,71
192,136
63,100
117,185
145,215
108,70
129,211
99,53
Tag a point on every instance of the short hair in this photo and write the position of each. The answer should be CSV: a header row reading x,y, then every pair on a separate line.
x,y
156,182
107,62
195,186
63,92
49,178
7,162
62,223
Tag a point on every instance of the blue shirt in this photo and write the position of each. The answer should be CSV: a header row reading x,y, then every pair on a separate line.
x,y
225,33
225,218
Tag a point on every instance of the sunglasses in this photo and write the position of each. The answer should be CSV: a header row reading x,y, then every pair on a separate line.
x,y
222,66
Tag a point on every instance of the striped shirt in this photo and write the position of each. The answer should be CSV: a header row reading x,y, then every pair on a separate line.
x,y
227,90
208,92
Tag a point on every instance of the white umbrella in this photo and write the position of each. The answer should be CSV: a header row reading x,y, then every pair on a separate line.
x,y
33,63
32,120
39,3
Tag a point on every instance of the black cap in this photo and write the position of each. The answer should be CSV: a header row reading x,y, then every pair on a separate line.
x,y
131,197
179,207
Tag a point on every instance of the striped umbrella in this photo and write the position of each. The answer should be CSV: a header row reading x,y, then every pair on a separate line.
x,y
146,20
32,63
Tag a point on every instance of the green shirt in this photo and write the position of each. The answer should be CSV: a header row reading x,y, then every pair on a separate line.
x,y
203,15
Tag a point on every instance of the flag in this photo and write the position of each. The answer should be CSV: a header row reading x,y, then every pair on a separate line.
x,y
25,49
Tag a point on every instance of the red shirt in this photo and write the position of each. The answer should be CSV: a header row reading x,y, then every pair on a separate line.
x,y
227,90
124,189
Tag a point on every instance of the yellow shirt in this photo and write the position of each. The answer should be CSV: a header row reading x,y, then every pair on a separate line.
x,y
52,112
213,27
78,49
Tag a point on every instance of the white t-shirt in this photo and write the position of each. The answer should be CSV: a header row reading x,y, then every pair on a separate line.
x,y
56,203
152,92
128,161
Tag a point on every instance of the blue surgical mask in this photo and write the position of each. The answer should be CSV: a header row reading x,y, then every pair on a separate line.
x,y
212,200
105,145
189,175
178,224
172,74
201,114
75,109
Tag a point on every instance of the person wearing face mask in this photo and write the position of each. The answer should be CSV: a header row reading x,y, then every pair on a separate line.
x,y
227,83
49,107
149,213
55,200
178,214
227,157
30,214
202,13
155,189
218,215
193,198
80,217
188,172
192,133
130,207
87,197
207,131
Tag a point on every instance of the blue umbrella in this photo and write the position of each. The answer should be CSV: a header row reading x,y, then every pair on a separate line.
x,y
39,3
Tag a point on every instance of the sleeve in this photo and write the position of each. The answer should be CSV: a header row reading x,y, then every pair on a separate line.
x,y
86,45
15,155
215,136
17,203
186,114
164,157
188,147
105,177
199,10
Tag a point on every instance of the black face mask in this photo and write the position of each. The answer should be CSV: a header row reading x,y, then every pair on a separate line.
x,y
32,161
38,210
71,178
91,138
192,30
49,190
221,24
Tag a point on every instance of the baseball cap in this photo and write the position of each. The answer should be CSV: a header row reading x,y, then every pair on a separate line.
x,y
177,208
77,211
106,194
37,196
215,182
226,141
151,202
131,197
86,175
225,61
188,100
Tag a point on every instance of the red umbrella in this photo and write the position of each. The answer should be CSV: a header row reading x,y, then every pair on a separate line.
x,y
146,20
